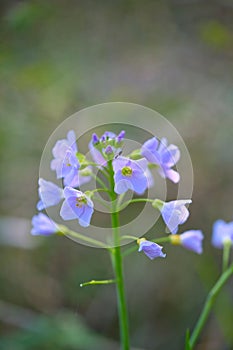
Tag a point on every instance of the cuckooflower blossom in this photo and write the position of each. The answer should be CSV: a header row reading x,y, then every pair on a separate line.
x,y
151,249
70,167
222,232
49,193
65,162
191,240
130,175
164,156
43,225
77,206
174,213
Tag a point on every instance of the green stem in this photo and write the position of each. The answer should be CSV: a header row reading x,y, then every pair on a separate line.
x,y
136,200
118,268
129,237
208,305
102,202
63,230
100,190
94,282
226,254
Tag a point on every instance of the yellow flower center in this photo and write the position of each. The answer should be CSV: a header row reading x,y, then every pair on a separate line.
x,y
127,171
80,201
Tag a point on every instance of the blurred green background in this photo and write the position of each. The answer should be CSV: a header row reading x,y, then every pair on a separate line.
x,y
57,57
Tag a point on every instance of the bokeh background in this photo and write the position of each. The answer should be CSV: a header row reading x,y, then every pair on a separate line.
x,y
57,57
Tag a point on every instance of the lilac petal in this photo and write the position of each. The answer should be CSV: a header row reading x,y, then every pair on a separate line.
x,y
49,193
121,184
192,240
67,212
85,217
143,163
162,145
151,249
42,225
171,155
120,162
60,153
69,178
97,156
170,174
175,213
60,148
79,179
71,192
71,138
139,182
70,210
149,150
164,156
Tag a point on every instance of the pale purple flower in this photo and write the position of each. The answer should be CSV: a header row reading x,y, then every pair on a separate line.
x,y
164,156
222,232
130,175
77,206
70,167
174,213
65,162
151,249
49,193
43,225
192,240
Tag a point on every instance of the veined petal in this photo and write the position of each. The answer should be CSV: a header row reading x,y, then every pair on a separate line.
x,y
67,212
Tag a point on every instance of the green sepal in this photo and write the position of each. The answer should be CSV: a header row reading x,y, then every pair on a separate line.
x,y
136,154
81,158
158,204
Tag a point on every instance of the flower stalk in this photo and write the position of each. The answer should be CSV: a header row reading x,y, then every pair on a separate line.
x,y
208,306
118,268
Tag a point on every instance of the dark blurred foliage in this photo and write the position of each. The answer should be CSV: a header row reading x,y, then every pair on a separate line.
x,y
60,56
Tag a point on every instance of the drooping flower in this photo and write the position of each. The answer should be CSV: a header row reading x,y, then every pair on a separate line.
x,y
43,225
174,213
50,194
164,156
77,206
65,162
151,249
106,147
222,232
130,175
191,240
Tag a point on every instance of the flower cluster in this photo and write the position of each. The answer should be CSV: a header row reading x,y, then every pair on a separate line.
x,y
128,173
